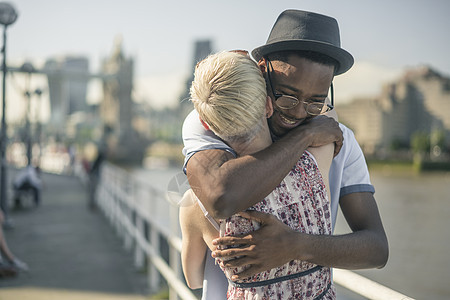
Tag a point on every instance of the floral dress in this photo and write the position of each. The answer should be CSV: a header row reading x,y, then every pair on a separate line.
x,y
301,202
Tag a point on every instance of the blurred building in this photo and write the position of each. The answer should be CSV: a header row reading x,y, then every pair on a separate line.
x,y
418,102
67,82
117,123
202,49
109,124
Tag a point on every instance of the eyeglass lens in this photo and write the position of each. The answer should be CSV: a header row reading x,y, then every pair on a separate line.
x,y
288,102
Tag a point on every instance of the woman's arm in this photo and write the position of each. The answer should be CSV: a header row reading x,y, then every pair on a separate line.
x,y
324,156
193,249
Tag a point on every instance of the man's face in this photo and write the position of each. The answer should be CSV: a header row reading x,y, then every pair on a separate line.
x,y
303,79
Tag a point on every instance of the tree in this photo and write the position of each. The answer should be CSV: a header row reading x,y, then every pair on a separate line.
x,y
420,143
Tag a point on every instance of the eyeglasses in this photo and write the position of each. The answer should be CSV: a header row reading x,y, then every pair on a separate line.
x,y
313,108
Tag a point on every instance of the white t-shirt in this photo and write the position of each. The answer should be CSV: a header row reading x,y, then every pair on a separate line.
x,y
348,174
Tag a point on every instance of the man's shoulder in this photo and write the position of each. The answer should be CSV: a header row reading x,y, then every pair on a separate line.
x,y
346,131
196,138
349,137
350,146
191,120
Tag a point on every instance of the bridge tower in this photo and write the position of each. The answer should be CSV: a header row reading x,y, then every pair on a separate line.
x,y
116,109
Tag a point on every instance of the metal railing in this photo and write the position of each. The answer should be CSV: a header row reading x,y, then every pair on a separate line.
x,y
149,226
365,287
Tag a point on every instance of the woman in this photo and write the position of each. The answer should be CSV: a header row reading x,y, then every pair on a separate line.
x,y
12,265
230,96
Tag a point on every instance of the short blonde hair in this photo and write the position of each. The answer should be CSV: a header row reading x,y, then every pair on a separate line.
x,y
229,93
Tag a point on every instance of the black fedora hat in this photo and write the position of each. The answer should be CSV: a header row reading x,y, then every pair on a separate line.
x,y
306,31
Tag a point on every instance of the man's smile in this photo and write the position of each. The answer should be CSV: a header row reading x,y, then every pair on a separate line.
x,y
288,122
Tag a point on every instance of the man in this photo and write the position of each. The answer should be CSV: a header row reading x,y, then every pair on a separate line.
x,y
296,64
27,179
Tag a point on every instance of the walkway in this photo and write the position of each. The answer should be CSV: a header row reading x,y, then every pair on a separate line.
x,y
72,251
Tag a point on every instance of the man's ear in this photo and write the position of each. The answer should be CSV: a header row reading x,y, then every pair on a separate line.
x,y
205,125
269,107
332,113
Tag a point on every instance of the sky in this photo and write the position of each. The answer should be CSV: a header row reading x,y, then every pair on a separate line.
x,y
385,37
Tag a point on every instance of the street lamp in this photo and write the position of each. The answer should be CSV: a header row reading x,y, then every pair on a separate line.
x,y
8,16
38,129
28,68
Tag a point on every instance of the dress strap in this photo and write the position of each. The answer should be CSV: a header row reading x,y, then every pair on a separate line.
x,y
325,291
312,156
207,215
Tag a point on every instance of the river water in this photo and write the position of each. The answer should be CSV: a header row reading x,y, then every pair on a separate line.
x,y
415,210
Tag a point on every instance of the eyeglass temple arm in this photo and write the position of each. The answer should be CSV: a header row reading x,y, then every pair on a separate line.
x,y
332,96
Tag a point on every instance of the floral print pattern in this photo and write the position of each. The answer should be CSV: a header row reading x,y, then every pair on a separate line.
x,y
301,202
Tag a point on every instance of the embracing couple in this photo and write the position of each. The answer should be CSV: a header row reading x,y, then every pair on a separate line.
x,y
268,165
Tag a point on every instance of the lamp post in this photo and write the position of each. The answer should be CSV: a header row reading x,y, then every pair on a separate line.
x,y
8,16
28,68
38,130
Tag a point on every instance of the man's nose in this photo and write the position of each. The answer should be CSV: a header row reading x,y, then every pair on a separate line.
x,y
299,111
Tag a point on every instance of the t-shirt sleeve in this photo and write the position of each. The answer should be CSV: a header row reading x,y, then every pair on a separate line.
x,y
196,138
355,174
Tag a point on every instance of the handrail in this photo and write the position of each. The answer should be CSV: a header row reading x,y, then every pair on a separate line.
x,y
365,287
115,197
119,196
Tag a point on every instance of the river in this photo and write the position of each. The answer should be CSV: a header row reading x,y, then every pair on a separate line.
x,y
415,210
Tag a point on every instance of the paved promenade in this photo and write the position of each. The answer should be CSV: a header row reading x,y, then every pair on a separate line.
x,y
72,251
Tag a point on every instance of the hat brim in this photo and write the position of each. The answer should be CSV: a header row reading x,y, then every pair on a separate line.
x,y
344,58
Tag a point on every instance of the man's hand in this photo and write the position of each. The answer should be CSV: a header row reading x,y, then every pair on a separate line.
x,y
323,130
275,243
261,250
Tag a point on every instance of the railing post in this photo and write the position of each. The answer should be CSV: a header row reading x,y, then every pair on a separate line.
x,y
128,239
113,188
128,212
174,256
139,258
119,206
154,243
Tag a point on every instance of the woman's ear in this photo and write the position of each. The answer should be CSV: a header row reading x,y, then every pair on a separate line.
x,y
205,125
269,107
262,65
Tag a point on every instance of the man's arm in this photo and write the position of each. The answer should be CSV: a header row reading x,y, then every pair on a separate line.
x,y
226,185
275,243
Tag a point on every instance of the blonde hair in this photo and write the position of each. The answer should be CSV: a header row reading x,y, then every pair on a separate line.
x,y
229,94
